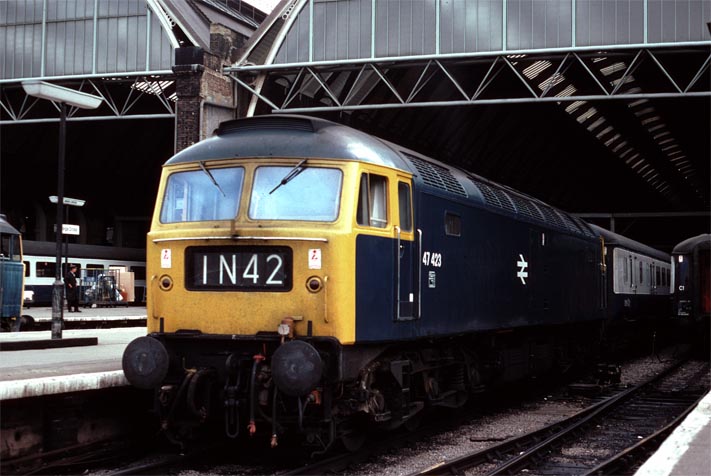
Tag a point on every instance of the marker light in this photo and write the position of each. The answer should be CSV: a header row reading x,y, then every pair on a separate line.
x,y
314,284
165,282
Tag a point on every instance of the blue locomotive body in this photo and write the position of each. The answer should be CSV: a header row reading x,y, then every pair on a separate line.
x,y
11,275
479,269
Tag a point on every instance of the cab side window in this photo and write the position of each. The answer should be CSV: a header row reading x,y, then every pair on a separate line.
x,y
403,192
373,201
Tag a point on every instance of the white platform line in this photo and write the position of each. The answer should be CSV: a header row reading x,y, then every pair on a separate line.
x,y
663,461
13,389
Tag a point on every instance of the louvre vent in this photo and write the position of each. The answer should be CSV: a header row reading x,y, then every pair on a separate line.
x,y
552,217
569,223
436,176
262,123
583,226
528,208
495,197
525,207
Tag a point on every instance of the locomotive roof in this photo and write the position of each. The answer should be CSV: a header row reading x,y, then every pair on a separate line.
x,y
702,241
612,238
6,228
290,136
279,135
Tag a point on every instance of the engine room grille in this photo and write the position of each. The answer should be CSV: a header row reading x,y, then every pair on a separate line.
x,y
261,123
528,208
437,176
535,211
495,197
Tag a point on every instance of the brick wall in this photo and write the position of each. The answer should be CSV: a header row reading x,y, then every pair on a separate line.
x,y
206,97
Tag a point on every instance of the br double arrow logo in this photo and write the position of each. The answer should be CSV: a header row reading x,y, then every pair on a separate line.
x,y
522,264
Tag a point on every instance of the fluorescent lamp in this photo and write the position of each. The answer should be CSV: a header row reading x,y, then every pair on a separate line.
x,y
52,92
68,201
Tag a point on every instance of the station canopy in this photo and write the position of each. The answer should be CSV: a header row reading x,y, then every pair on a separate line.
x,y
121,50
590,105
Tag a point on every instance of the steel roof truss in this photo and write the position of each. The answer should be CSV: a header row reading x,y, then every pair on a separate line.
x,y
454,81
352,91
421,81
521,78
254,92
387,82
628,72
705,66
293,91
486,80
324,86
353,86
559,73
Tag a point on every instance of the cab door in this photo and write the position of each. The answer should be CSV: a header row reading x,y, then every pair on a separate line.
x,y
407,253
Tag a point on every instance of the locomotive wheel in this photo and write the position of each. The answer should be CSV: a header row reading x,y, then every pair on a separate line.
x,y
25,323
353,433
353,439
413,423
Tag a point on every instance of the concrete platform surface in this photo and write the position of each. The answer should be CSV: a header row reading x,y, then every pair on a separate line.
x,y
43,314
687,451
27,373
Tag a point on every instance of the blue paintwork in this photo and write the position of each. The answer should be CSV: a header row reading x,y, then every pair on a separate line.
x,y
477,288
11,271
11,274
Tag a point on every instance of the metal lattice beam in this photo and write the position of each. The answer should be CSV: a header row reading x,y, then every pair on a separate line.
x,y
302,77
122,99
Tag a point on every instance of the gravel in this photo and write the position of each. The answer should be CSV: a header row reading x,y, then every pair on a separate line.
x,y
490,428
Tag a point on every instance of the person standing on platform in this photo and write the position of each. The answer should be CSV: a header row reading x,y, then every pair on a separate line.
x,y
70,281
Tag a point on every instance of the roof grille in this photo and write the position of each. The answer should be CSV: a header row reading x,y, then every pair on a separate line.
x,y
437,176
528,208
552,217
262,123
531,209
495,197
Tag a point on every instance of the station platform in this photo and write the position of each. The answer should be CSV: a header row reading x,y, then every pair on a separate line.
x,y
93,364
88,314
687,451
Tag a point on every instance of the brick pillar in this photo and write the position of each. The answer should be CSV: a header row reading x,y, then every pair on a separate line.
x,y
206,97
187,121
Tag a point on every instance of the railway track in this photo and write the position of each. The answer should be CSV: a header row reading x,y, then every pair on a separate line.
x,y
608,437
555,448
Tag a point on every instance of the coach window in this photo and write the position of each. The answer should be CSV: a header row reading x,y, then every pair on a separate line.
x,y
403,191
45,269
641,273
372,201
139,272
27,268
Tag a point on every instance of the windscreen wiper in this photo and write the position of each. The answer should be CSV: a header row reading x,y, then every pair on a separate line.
x,y
204,169
292,173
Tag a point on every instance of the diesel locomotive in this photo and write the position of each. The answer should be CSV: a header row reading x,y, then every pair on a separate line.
x,y
11,276
305,277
